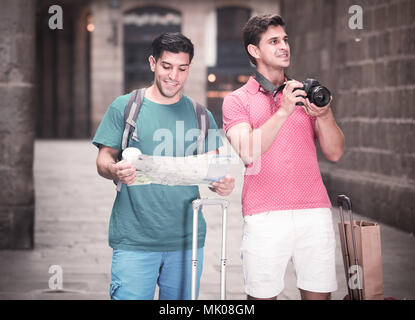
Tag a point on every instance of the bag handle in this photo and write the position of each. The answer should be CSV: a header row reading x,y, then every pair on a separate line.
x,y
341,200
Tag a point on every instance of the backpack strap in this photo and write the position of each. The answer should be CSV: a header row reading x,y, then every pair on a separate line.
x,y
130,118
202,123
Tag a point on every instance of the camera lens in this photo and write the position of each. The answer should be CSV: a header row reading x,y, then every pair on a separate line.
x,y
320,96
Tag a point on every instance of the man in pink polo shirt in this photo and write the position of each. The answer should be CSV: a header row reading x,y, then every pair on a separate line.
x,y
285,204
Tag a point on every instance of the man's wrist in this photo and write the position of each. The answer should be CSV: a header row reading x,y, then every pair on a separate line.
x,y
326,116
282,113
111,170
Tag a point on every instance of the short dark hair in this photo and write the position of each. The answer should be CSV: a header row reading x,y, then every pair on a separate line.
x,y
172,42
255,27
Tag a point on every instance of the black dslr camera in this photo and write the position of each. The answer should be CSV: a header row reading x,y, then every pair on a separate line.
x,y
316,93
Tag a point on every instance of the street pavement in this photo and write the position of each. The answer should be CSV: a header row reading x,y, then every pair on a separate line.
x,y
73,206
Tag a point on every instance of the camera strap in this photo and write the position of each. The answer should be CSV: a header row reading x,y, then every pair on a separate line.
x,y
268,85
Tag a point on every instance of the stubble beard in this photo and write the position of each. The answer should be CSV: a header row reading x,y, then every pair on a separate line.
x,y
165,93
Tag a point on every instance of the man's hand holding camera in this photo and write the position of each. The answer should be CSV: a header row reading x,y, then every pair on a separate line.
x,y
292,94
309,94
318,112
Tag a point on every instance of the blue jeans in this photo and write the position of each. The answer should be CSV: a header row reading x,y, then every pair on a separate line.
x,y
134,274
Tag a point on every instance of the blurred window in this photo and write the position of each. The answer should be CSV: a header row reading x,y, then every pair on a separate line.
x,y
141,26
230,21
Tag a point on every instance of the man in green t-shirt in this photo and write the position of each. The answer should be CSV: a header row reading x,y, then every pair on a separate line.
x,y
151,225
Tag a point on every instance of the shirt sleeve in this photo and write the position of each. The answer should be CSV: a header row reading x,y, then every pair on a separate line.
x,y
214,139
110,130
233,112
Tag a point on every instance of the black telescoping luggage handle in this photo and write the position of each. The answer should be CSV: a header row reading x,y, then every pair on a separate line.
x,y
342,199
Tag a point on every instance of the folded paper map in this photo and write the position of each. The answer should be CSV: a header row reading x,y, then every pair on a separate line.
x,y
191,170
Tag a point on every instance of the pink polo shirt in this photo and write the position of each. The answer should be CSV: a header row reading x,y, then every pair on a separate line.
x,y
287,176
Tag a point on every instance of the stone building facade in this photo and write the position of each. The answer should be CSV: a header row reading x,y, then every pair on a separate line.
x,y
371,74
17,125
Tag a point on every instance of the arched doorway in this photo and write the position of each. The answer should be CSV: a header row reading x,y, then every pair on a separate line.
x,y
141,26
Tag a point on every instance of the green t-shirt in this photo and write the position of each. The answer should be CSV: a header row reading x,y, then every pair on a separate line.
x,y
156,217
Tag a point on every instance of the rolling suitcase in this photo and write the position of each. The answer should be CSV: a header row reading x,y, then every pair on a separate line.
x,y
196,205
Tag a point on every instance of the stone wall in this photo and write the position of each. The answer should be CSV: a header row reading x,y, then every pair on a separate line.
x,y
17,123
371,75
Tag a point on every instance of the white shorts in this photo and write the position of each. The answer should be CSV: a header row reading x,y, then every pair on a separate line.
x,y
271,239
